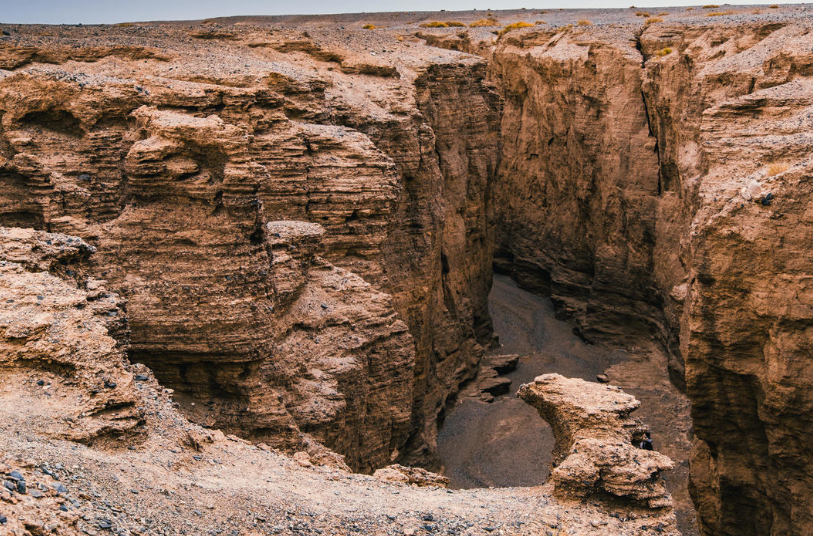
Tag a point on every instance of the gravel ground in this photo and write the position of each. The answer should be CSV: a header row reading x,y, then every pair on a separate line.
x,y
180,479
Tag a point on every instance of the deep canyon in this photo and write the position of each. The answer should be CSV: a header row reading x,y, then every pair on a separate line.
x,y
294,224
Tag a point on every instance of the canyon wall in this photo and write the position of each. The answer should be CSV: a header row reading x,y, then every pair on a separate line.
x,y
653,182
190,183
731,105
578,188
301,224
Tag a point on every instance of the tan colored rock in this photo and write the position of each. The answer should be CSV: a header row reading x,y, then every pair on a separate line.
x,y
595,453
172,166
410,475
728,111
53,331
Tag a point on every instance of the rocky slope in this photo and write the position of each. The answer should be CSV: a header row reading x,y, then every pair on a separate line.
x,y
300,215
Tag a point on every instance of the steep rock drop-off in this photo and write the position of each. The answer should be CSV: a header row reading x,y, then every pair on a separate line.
x,y
174,180
91,444
300,220
683,214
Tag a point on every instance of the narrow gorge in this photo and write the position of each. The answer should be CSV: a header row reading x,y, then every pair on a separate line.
x,y
294,224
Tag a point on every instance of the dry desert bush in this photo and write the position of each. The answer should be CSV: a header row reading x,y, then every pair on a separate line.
x,y
483,23
777,167
516,26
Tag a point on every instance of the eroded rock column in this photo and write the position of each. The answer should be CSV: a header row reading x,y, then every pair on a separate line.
x,y
595,453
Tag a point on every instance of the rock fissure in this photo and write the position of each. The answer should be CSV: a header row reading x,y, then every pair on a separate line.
x,y
305,247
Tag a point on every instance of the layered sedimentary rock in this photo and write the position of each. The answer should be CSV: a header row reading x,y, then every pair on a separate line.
x,y
595,453
302,223
173,165
55,326
697,237
732,105
578,185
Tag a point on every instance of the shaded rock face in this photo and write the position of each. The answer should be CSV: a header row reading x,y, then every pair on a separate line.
x,y
697,238
303,251
578,185
731,107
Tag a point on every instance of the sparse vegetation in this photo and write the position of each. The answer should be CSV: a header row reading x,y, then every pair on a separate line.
x,y
455,24
719,13
663,14
516,26
777,168
482,23
540,22
584,22
689,9
644,14
652,20
663,52
774,6
125,24
434,24
369,26
711,6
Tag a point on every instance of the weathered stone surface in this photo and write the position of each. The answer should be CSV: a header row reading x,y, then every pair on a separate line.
x,y
410,475
173,166
502,364
578,184
54,327
680,239
729,107
595,452
651,178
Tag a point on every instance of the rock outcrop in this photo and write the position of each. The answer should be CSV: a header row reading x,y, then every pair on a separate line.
x,y
173,166
411,475
578,185
671,198
729,107
91,444
55,326
595,453
303,222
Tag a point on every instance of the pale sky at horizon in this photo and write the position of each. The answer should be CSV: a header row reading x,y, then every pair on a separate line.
x,y
111,11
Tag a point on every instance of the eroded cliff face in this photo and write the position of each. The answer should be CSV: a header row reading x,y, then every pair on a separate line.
x,y
667,191
301,225
735,132
173,166
578,187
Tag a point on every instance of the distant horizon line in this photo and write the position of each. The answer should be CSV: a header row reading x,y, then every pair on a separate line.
x,y
111,20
